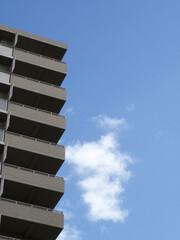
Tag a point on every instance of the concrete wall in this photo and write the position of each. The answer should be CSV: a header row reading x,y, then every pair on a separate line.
x,y
40,61
3,95
38,87
38,116
20,218
33,36
4,77
36,179
31,145
6,51
31,214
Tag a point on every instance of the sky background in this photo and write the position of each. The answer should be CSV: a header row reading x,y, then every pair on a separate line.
x,y
123,94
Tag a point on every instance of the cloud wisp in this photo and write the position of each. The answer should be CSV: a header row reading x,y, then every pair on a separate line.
x,y
130,108
70,233
103,172
158,134
65,207
70,110
108,123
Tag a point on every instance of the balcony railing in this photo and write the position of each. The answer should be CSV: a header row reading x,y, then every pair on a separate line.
x,y
35,139
32,171
35,80
36,109
8,238
39,55
30,205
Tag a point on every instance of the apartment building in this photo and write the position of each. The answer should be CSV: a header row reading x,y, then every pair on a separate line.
x,y
31,73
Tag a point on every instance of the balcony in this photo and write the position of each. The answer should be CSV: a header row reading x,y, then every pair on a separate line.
x,y
37,94
26,221
4,82
5,63
1,142
6,36
33,153
30,186
3,116
39,67
37,44
35,122
32,42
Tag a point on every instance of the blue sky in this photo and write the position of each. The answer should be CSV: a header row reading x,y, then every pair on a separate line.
x,y
122,138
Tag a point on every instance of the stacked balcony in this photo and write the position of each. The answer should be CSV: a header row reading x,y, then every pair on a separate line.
x,y
31,98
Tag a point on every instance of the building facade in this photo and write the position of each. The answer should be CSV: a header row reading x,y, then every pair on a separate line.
x,y
31,73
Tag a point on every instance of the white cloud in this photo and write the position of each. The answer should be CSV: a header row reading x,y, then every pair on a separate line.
x,y
70,233
110,123
67,213
102,169
103,229
65,203
70,110
158,134
65,206
130,108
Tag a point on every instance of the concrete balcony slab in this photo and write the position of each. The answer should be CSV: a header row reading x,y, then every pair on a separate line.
x,y
36,122
30,186
27,221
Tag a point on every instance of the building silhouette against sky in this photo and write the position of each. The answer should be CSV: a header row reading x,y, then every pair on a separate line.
x,y
31,72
